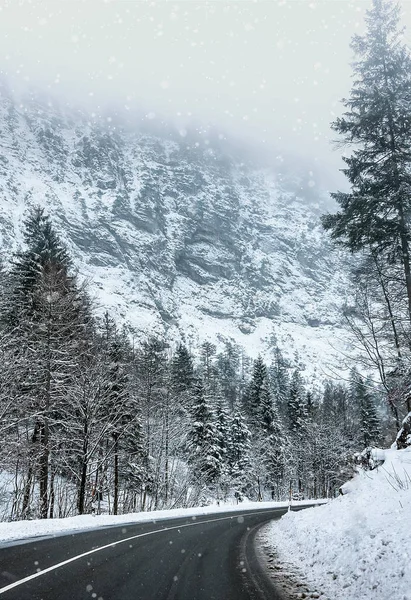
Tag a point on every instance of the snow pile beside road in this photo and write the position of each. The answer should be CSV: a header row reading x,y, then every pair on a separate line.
x,y
22,530
359,545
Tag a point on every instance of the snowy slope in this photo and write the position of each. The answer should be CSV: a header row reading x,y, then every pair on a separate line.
x,y
358,546
177,236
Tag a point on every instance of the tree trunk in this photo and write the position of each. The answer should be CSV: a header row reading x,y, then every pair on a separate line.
x,y
116,475
406,260
389,307
44,429
83,474
167,475
44,469
52,493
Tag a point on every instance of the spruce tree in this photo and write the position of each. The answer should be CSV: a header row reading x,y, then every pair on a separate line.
x,y
116,394
274,455
182,370
374,214
222,427
239,442
228,363
279,380
296,404
43,314
44,251
257,393
369,421
151,372
205,454
182,379
208,370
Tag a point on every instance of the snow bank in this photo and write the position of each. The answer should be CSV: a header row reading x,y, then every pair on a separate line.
x,y
21,530
359,545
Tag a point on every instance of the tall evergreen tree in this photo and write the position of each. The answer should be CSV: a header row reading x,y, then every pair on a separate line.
x,y
208,370
296,404
182,370
43,252
223,430
279,380
43,310
368,416
258,392
182,378
151,371
228,363
205,454
374,215
116,394
239,442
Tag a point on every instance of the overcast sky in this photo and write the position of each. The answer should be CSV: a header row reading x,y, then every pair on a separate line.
x,y
271,71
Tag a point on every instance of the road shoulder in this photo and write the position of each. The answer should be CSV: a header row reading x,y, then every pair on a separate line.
x,y
285,577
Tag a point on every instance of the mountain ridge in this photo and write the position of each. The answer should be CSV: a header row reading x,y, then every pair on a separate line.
x,y
177,236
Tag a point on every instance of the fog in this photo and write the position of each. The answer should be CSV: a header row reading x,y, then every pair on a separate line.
x,y
269,72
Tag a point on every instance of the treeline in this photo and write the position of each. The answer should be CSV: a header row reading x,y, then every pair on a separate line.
x,y
92,419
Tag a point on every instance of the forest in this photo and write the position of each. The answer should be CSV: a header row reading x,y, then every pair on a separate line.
x,y
94,419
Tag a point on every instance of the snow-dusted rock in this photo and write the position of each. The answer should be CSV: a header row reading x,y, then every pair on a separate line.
x,y
175,237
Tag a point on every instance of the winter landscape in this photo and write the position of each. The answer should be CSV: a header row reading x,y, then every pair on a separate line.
x,y
205,314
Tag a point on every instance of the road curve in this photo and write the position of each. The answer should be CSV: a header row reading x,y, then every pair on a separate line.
x,y
192,558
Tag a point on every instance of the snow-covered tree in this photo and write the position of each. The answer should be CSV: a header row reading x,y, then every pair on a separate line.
x,y
369,421
240,443
279,380
182,370
258,392
205,454
377,122
43,315
296,404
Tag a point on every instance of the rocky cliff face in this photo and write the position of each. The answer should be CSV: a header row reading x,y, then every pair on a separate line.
x,y
175,235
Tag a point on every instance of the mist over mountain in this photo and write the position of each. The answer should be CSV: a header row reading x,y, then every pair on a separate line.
x,y
179,231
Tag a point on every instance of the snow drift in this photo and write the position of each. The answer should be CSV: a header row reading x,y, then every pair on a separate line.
x,y
358,546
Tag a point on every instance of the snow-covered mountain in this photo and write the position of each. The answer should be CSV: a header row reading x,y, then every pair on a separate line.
x,y
175,234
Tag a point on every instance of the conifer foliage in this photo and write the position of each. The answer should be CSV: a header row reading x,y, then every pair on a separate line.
x,y
377,122
374,216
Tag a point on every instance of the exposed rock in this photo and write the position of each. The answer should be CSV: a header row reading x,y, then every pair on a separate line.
x,y
175,237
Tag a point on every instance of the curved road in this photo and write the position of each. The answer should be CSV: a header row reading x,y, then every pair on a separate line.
x,y
192,558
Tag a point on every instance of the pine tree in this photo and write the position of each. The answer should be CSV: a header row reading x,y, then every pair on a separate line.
x,y
296,405
116,394
205,454
378,122
228,363
151,372
223,433
369,421
279,380
257,392
182,370
274,456
44,253
182,378
239,443
208,351
43,313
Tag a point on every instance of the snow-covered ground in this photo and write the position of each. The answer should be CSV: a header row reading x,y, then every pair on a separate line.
x,y
21,530
357,547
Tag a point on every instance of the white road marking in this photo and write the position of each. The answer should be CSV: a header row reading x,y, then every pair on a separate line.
x,y
5,589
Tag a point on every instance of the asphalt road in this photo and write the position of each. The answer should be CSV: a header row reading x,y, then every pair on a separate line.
x,y
192,558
